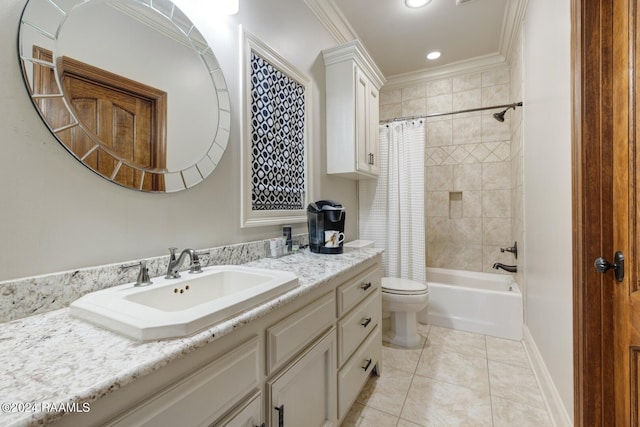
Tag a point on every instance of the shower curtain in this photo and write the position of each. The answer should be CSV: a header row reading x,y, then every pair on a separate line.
x,y
392,211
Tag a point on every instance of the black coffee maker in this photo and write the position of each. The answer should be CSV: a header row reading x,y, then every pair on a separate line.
x,y
325,219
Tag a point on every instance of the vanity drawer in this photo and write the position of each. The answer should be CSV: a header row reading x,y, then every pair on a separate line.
x,y
292,334
248,415
356,325
355,372
358,288
203,396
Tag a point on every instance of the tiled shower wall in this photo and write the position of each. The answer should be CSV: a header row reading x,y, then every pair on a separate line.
x,y
468,185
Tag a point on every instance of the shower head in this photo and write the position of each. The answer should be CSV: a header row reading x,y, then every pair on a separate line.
x,y
500,116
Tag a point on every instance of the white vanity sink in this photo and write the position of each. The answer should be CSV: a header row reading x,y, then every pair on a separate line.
x,y
171,308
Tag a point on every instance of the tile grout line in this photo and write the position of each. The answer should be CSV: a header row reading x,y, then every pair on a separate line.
x,y
413,375
489,381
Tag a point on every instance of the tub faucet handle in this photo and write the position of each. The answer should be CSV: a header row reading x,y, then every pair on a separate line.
x,y
513,249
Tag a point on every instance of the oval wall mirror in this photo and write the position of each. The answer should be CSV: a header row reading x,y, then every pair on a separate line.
x,y
128,87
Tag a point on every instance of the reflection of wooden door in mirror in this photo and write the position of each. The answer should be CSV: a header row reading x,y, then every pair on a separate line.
x,y
123,118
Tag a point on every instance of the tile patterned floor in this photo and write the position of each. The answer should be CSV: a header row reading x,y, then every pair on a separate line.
x,y
455,379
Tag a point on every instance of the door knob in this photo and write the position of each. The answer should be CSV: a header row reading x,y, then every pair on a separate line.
x,y
602,265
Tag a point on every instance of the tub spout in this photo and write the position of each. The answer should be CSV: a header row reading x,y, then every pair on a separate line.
x,y
509,268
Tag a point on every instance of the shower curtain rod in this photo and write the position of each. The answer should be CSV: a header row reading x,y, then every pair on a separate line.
x,y
507,106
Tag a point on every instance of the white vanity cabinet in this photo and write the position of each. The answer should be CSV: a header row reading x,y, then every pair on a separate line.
x,y
302,364
359,334
353,82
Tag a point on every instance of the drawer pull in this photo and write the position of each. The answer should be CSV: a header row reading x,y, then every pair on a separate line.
x,y
366,365
280,410
366,322
365,286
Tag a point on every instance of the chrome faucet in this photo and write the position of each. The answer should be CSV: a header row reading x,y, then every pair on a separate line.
x,y
175,263
509,268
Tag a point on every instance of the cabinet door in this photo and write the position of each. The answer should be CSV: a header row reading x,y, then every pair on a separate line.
x,y
373,137
304,393
363,157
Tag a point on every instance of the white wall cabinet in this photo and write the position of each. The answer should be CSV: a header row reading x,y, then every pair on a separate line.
x,y
353,82
303,364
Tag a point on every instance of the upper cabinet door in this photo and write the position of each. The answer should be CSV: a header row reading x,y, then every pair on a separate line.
x,y
352,88
373,139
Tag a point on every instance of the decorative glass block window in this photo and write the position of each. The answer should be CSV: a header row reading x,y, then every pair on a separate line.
x,y
275,138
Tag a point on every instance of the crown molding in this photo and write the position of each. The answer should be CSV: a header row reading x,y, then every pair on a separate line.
x,y
511,25
337,24
333,20
355,51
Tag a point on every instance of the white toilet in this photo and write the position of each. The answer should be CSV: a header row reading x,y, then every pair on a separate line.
x,y
403,299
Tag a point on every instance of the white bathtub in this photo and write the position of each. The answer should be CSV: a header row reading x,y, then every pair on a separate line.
x,y
484,303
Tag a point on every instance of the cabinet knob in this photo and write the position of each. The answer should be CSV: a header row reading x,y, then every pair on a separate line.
x,y
366,365
365,322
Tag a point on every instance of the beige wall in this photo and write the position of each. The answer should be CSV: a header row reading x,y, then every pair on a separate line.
x,y
517,160
57,215
468,167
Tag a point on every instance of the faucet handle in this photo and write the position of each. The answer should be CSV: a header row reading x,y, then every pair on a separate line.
x,y
143,274
172,251
513,249
196,266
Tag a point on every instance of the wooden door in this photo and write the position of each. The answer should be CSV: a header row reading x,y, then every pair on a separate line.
x,y
122,131
121,121
626,191
606,191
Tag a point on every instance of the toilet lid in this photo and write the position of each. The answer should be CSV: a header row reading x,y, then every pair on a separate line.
x,y
394,285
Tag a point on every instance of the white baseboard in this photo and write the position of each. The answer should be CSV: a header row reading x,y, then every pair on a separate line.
x,y
559,415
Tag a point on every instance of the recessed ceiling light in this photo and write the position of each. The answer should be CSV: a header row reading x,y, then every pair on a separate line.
x,y
416,3
433,55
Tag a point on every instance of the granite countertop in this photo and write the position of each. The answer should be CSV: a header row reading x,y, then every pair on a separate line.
x,y
52,359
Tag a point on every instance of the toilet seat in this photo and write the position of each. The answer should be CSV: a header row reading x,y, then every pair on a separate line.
x,y
397,286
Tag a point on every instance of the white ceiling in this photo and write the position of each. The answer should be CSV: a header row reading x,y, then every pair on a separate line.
x,y
398,38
